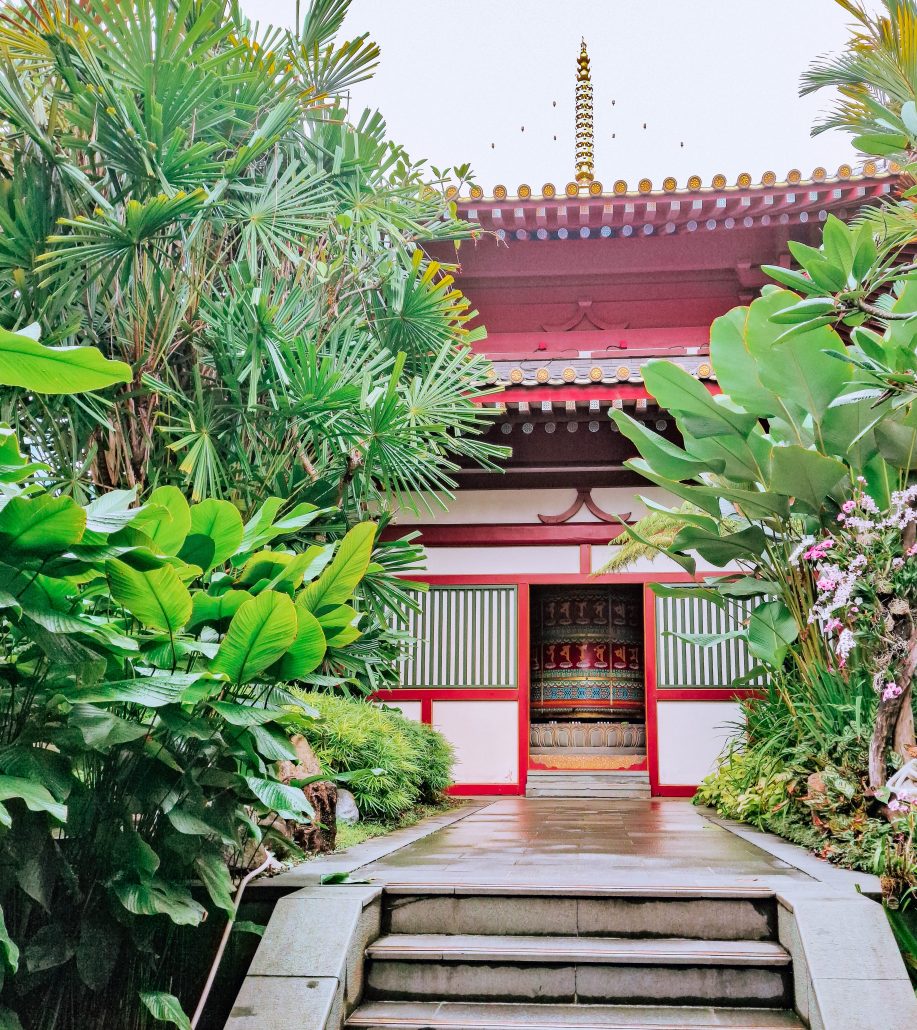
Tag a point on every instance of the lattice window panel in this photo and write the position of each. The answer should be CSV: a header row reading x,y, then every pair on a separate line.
x,y
466,638
680,665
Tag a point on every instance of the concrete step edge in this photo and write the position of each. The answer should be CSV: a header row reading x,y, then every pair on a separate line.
x,y
437,1015
723,892
657,951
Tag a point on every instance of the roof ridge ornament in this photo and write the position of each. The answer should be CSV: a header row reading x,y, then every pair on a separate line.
x,y
585,154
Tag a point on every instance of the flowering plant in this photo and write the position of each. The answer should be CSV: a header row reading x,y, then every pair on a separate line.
x,y
865,572
866,580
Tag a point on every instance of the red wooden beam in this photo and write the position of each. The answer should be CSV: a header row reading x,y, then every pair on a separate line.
x,y
510,534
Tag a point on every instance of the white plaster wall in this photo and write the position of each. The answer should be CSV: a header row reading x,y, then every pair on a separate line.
x,y
502,506
477,561
409,709
485,735
659,564
691,737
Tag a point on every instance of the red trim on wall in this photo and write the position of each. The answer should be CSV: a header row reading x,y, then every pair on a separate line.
x,y
675,790
523,622
445,694
649,673
426,710
585,558
510,534
556,578
716,694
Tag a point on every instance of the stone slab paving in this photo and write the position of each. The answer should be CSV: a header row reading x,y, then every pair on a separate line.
x,y
583,843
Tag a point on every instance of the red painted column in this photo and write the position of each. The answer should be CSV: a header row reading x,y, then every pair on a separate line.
x,y
523,607
649,660
585,559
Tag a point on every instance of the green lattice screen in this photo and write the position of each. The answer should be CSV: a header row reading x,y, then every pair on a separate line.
x,y
680,665
466,638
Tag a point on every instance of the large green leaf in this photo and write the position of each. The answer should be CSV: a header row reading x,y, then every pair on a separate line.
x,y
101,729
743,459
26,363
35,797
798,371
896,436
14,465
805,475
260,632
262,528
40,525
148,691
166,519
221,523
165,1008
337,583
679,392
8,948
156,597
210,609
155,897
734,360
667,459
688,593
845,430
771,631
340,625
705,640
215,877
288,802
722,549
110,512
307,651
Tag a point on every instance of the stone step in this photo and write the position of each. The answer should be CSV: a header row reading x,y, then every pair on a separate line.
x,y
626,915
624,784
580,791
446,1015
678,951
578,969
596,775
576,791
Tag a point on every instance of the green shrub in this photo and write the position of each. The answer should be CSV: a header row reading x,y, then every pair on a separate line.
x,y
405,762
437,759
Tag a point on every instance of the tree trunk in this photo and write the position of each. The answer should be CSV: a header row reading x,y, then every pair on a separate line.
x,y
895,719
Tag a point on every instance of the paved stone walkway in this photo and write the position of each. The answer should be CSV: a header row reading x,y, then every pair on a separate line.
x,y
577,843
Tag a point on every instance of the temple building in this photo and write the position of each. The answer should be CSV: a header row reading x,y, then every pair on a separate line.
x,y
549,677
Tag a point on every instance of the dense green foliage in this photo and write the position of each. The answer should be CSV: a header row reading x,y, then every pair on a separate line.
x,y
401,763
187,192
802,474
193,227
144,653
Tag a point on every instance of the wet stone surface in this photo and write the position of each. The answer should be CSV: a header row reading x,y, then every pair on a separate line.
x,y
583,843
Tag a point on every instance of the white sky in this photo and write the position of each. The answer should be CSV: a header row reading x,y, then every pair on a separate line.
x,y
721,76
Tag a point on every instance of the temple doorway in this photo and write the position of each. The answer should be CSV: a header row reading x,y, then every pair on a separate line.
x,y
587,700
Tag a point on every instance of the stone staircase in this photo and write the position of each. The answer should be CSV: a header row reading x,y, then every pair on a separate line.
x,y
497,958
588,783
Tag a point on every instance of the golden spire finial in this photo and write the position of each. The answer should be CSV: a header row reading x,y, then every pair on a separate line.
x,y
584,134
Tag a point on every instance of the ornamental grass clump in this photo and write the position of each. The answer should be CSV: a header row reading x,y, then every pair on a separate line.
x,y
399,763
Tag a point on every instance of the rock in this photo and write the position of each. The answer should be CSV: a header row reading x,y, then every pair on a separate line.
x,y
346,810
319,835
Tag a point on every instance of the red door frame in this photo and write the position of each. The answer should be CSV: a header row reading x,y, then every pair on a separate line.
x,y
521,692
